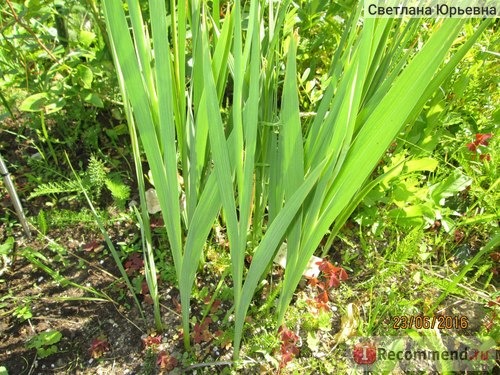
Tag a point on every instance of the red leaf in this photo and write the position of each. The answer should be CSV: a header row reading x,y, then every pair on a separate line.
x,y
215,306
156,223
94,246
288,349
323,297
334,281
285,358
494,303
144,287
343,275
98,347
218,333
334,274
177,305
149,341
313,281
486,157
458,235
322,306
495,256
482,139
201,332
134,263
165,361
326,267
488,325
472,147
288,336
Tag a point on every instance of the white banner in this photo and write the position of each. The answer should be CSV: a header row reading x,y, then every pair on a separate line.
x,y
431,8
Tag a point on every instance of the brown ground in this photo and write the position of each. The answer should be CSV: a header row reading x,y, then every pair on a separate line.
x,y
60,308
80,255
54,307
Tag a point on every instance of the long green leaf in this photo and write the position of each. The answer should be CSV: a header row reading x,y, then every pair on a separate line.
x,y
375,135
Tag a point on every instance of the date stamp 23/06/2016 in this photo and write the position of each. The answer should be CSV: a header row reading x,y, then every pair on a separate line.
x,y
430,322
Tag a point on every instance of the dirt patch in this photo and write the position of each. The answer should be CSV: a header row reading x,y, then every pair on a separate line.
x,y
76,288
26,290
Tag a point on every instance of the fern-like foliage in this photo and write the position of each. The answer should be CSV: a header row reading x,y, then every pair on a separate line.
x,y
41,220
97,174
93,180
39,167
119,191
53,187
63,218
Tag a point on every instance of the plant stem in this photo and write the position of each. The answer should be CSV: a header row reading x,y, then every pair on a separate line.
x,y
47,138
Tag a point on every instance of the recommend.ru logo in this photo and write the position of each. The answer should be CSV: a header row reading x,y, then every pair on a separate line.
x,y
426,352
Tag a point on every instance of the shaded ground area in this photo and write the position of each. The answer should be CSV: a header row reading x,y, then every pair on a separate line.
x,y
27,290
32,302
80,295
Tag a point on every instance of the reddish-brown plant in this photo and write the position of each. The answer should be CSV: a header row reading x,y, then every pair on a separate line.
x,y
99,346
288,348
166,361
151,341
201,332
133,264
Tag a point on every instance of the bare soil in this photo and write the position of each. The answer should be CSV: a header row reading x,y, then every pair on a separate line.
x,y
77,313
